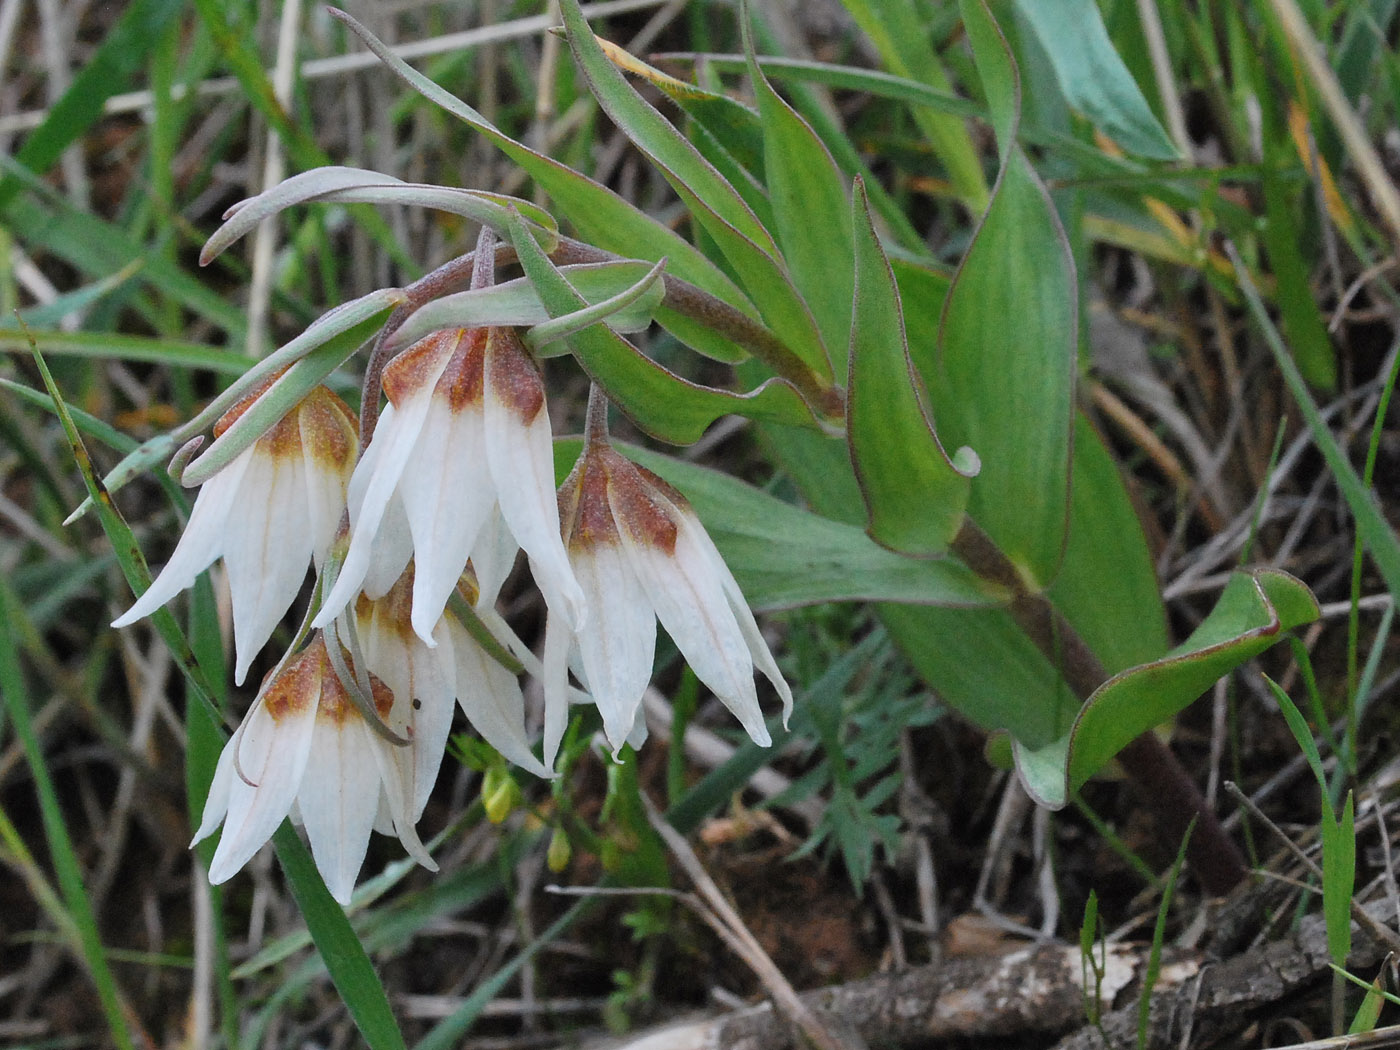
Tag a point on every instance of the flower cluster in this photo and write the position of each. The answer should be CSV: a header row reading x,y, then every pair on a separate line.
x,y
411,540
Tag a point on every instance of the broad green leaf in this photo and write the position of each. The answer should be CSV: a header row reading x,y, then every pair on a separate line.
x,y
1251,615
784,556
599,214
915,496
1092,75
1108,587
1006,370
661,403
899,33
715,204
811,209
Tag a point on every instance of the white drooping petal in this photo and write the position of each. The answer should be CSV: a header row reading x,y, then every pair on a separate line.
x,y
493,558
216,803
271,758
618,644
325,502
372,485
446,497
521,458
267,548
338,799
200,544
690,601
555,674
491,699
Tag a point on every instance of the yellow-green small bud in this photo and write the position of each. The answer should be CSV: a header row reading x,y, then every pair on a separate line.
x,y
560,850
499,794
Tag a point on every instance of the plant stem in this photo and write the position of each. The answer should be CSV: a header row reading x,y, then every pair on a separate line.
x,y
1163,784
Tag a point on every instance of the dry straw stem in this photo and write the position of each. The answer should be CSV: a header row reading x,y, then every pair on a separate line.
x,y
1368,162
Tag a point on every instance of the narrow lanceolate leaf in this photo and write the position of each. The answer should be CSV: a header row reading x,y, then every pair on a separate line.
x,y
338,944
1008,343
915,497
661,403
599,215
1251,615
716,205
811,213
1338,876
1092,75
784,556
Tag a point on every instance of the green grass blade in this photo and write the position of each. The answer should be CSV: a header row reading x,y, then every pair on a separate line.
x,y
61,852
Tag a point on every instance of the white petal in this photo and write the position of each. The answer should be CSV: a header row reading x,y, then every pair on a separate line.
x,y
200,544
272,755
267,549
397,803
493,558
691,604
617,643
338,799
522,469
216,804
325,502
372,485
557,640
738,604
391,551
447,497
491,698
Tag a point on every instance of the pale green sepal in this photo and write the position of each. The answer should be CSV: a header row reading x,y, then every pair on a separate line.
x,y
1092,74
644,295
359,186
330,325
661,403
516,304
1041,771
281,397
915,496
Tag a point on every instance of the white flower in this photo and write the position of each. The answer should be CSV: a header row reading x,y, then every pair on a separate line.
x,y
640,554
306,751
465,438
273,510
424,681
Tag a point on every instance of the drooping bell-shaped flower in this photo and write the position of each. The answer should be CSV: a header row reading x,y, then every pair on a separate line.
x,y
425,680
464,441
269,514
306,750
641,555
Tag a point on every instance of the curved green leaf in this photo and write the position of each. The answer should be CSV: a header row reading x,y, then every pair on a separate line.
x,y
915,496
1251,615
715,204
661,403
1008,344
1092,75
784,556
811,210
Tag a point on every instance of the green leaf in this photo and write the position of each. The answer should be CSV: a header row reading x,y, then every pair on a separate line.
x,y
715,204
339,947
661,403
784,556
15,698
1251,615
114,347
1006,371
811,210
1092,75
914,494
1368,1014
900,34
1338,876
